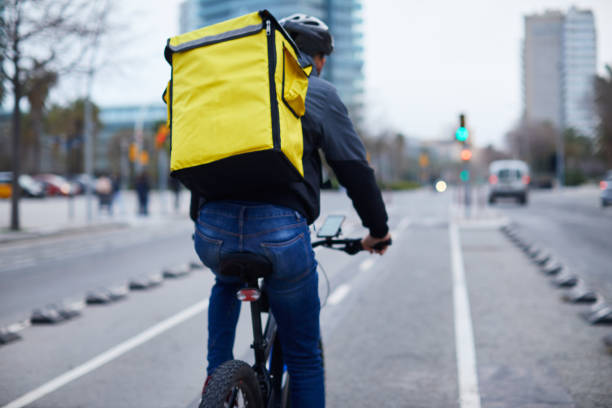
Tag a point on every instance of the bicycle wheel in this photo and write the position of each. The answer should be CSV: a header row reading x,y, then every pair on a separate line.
x,y
233,384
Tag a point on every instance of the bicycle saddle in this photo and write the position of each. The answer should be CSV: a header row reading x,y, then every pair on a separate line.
x,y
245,265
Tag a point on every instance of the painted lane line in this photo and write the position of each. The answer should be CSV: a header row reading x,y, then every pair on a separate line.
x,y
469,396
367,264
338,295
108,355
403,225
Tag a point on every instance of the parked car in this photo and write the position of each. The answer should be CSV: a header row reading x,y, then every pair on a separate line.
x,y
509,178
606,189
56,185
29,186
81,181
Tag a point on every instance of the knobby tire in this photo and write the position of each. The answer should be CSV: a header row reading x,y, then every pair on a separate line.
x,y
232,379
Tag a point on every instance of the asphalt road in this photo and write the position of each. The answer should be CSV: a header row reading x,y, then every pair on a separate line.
x,y
453,314
573,227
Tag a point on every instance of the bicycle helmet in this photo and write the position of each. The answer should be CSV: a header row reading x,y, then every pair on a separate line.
x,y
310,34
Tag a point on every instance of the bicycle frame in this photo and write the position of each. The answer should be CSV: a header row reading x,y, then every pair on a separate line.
x,y
266,349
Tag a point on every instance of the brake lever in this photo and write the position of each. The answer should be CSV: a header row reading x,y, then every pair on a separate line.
x,y
353,247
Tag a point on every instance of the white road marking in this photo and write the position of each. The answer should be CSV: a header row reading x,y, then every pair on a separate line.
x,y
469,396
397,232
108,355
367,264
338,295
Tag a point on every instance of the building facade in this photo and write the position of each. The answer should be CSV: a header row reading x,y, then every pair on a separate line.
x,y
579,66
344,67
559,64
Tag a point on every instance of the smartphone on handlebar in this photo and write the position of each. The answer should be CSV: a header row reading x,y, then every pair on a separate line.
x,y
332,227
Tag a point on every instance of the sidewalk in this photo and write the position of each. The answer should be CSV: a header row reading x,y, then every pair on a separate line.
x,y
60,215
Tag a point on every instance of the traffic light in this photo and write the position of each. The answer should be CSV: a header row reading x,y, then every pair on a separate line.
x,y
464,175
466,154
461,134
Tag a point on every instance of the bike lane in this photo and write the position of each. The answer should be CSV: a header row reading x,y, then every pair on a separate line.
x,y
532,349
394,345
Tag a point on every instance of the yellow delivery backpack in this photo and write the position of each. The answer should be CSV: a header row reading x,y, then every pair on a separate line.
x,y
235,99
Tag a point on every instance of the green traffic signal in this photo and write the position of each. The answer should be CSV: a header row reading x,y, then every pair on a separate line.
x,y
461,134
465,175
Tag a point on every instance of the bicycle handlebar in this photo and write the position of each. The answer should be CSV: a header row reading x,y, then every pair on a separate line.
x,y
351,246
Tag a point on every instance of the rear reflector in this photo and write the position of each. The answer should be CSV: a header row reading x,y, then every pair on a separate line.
x,y
493,179
248,295
603,185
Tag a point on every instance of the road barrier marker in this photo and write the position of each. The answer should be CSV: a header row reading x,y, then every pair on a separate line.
x,y
553,268
108,355
580,294
469,396
177,271
338,295
565,279
600,312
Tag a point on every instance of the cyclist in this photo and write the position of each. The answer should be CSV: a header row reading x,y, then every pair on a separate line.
x,y
275,223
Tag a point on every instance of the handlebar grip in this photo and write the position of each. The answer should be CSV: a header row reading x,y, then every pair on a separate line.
x,y
382,245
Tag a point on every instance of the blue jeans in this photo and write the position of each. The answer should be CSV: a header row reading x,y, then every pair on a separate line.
x,y
282,236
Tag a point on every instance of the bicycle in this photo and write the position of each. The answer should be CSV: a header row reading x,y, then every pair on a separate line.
x,y
266,383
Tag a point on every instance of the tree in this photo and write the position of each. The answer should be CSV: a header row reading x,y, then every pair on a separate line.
x,y
534,142
67,124
36,88
603,103
41,37
579,158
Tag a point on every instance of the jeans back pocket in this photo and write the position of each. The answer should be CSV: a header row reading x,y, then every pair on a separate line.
x,y
291,259
209,250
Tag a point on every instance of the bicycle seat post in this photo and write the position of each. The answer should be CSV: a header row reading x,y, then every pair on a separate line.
x,y
258,345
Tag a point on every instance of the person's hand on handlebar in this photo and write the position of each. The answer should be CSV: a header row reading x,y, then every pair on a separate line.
x,y
369,243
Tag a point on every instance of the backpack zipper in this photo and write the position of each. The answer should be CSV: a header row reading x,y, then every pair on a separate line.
x,y
273,97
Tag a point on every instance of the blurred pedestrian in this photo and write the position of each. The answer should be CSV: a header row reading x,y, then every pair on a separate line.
x,y
104,191
142,190
175,187
116,180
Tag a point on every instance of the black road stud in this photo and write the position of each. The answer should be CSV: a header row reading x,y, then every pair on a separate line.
x,y
534,252
139,284
118,293
565,280
48,315
600,313
552,268
99,297
196,265
542,258
580,295
155,279
177,272
146,282
70,311
104,296
8,336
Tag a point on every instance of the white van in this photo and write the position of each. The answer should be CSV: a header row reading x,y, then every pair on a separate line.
x,y
509,178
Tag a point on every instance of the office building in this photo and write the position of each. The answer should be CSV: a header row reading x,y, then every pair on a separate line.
x,y
579,66
559,64
344,67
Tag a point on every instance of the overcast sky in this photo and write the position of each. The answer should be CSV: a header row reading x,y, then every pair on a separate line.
x,y
426,61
